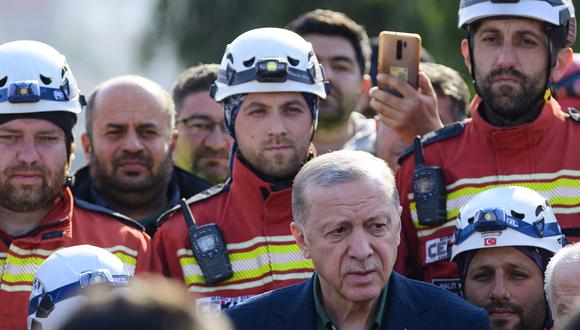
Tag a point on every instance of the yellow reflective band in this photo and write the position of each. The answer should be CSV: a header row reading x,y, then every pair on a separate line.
x,y
127,260
250,255
564,201
540,187
19,278
255,273
13,260
262,250
560,192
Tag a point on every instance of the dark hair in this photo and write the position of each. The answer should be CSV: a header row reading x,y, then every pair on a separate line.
x,y
328,22
449,83
195,79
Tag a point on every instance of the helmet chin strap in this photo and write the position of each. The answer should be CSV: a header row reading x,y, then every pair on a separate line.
x,y
470,34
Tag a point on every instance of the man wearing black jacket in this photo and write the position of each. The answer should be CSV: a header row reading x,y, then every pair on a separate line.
x,y
129,143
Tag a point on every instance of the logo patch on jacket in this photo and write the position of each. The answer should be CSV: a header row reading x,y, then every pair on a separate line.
x,y
436,249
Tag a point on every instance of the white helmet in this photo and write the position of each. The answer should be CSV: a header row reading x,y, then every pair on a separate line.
x,y
555,12
507,216
269,60
34,77
57,290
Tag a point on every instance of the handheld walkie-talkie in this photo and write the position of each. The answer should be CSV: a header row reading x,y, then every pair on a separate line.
x,y
208,247
429,190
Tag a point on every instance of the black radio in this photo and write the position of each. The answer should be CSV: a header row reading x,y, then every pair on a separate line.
x,y
208,247
429,190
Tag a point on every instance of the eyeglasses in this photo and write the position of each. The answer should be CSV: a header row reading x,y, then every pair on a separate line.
x,y
201,125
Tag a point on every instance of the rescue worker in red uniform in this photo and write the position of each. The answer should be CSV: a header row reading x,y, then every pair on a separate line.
x,y
518,134
270,84
504,238
39,104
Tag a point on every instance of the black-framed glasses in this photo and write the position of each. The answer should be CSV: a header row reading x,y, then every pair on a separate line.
x,y
201,125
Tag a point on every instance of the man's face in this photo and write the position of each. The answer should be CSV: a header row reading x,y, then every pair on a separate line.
x,y
273,132
509,285
33,165
338,58
351,234
511,59
131,146
202,145
565,293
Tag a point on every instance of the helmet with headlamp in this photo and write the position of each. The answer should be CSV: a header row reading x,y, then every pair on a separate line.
x,y
63,280
34,77
506,216
269,60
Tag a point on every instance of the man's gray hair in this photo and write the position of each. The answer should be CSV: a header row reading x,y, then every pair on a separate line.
x,y
568,255
340,167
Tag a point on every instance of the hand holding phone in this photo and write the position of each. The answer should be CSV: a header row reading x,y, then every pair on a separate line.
x,y
399,56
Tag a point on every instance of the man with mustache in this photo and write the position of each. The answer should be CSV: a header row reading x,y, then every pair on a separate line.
x,y
202,145
128,143
346,219
269,84
39,104
343,49
517,135
503,240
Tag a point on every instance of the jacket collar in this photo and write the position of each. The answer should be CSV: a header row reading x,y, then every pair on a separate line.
x,y
251,185
551,112
299,311
403,306
55,226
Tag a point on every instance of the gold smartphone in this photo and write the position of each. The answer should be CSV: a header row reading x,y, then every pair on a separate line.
x,y
399,56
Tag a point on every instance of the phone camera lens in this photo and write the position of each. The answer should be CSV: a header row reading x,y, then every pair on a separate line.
x,y
399,49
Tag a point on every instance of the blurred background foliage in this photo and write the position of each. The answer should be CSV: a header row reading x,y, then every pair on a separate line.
x,y
200,29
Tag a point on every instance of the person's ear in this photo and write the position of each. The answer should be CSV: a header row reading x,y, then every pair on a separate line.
x,y
86,143
174,136
300,238
564,59
466,54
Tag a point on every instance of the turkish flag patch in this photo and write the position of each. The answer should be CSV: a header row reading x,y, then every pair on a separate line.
x,y
490,241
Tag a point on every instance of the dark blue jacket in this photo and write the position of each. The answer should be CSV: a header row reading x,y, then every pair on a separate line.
x,y
182,185
410,305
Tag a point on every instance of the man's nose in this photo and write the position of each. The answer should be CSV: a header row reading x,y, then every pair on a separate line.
x,y
500,289
217,138
277,125
359,245
28,152
132,142
506,58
